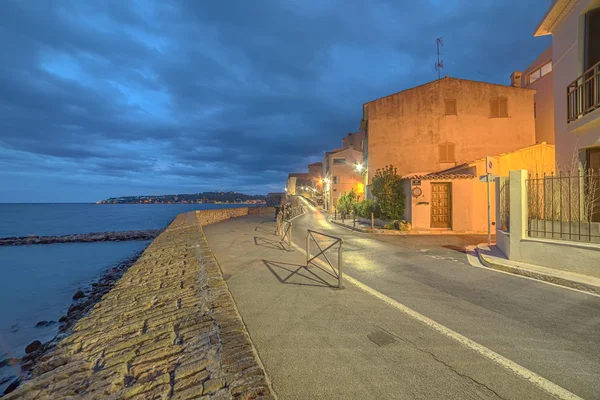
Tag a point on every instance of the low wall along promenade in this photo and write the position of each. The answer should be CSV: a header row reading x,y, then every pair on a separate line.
x,y
169,329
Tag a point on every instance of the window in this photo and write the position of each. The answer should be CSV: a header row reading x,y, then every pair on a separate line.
x,y
591,50
447,152
450,107
539,72
339,161
336,179
499,107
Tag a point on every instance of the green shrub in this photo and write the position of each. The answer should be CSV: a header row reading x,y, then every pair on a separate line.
x,y
368,206
347,204
387,188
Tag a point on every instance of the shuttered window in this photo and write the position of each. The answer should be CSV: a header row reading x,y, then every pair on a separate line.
x,y
499,107
450,107
447,152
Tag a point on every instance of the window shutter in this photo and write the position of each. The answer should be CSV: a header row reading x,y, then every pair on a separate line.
x,y
502,107
450,107
493,107
447,152
450,152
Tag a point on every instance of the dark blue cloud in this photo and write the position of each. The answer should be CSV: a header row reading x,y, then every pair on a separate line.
x,y
109,98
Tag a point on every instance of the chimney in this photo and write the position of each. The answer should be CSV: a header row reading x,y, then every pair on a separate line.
x,y
515,79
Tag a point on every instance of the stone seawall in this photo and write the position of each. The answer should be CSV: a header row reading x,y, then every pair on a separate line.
x,y
169,329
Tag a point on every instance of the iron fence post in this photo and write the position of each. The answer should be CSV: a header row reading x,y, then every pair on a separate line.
x,y
307,247
552,202
340,266
569,202
560,203
579,201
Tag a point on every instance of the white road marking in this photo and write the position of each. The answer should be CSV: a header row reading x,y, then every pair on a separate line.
x,y
512,366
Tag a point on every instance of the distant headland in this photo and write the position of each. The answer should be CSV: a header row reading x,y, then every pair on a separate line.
x,y
194,198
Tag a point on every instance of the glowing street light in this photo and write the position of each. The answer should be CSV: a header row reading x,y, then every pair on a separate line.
x,y
358,167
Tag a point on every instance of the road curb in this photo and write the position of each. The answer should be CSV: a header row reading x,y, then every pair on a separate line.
x,y
537,275
349,227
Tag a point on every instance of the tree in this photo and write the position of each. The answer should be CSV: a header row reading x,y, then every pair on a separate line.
x,y
347,203
387,187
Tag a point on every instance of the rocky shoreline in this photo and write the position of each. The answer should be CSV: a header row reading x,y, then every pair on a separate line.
x,y
83,302
82,237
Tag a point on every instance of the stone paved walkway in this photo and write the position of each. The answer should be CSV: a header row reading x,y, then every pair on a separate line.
x,y
168,330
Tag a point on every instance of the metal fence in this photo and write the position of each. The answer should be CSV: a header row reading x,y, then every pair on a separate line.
x,y
310,234
583,94
564,206
504,200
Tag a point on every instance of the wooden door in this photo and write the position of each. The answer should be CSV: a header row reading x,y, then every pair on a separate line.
x,y
441,209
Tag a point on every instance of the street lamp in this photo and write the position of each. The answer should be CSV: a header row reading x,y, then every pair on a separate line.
x,y
358,167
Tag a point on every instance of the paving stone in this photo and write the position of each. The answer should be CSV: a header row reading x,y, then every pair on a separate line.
x,y
168,329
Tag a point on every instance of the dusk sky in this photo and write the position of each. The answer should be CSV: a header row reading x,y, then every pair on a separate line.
x,y
112,98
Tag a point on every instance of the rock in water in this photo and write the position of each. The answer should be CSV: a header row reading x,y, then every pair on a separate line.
x,y
14,384
78,295
44,323
33,346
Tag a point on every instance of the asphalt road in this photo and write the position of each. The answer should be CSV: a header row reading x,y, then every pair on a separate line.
x,y
550,330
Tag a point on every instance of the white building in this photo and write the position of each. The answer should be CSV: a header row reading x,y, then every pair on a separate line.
x,y
575,29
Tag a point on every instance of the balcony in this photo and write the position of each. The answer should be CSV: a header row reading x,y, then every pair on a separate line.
x,y
583,94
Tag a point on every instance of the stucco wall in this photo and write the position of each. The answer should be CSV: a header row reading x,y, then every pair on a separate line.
x,y
353,140
567,53
535,159
349,178
405,129
574,257
469,205
315,170
543,98
503,242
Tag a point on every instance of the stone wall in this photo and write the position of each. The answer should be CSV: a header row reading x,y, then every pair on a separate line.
x,y
206,217
169,329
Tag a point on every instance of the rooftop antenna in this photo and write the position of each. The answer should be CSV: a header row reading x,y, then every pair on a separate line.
x,y
440,64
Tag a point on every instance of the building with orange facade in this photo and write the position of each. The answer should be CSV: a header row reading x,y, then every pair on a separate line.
x,y
456,198
445,123
342,170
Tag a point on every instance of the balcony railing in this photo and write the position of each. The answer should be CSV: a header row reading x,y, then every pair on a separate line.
x,y
583,94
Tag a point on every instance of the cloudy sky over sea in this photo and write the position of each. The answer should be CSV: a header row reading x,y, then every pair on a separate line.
x,y
111,98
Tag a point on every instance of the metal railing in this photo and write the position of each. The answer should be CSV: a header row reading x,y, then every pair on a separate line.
x,y
564,206
278,224
504,202
583,94
310,234
286,232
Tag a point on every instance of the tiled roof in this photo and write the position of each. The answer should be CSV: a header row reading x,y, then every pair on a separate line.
x,y
435,176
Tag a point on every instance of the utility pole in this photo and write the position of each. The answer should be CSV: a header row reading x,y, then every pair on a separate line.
x,y
440,63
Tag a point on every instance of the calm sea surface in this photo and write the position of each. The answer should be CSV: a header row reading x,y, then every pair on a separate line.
x,y
37,282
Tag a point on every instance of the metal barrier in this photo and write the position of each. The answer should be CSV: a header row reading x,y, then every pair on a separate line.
x,y
310,234
278,224
286,228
